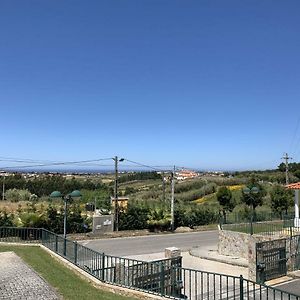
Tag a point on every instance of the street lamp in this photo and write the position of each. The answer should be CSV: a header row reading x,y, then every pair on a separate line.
x,y
116,207
66,198
250,192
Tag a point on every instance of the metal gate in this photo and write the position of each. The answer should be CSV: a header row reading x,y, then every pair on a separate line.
x,y
270,260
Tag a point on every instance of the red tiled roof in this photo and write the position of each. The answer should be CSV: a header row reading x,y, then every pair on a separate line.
x,y
293,186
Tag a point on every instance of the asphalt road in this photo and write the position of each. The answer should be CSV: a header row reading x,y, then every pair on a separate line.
x,y
292,286
153,243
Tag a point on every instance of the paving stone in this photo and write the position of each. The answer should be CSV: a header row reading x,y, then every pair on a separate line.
x,y
19,281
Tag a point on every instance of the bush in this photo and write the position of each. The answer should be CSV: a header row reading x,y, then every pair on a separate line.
x,y
15,195
134,218
6,220
195,216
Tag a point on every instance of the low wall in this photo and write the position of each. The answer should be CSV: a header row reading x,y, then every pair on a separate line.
x,y
233,243
252,253
242,245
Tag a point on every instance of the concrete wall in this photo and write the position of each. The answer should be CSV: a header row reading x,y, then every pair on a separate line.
x,y
103,224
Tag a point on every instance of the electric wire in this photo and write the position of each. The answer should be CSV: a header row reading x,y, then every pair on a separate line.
x,y
54,164
143,165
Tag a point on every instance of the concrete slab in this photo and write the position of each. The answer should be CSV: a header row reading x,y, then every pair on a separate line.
x,y
192,262
211,253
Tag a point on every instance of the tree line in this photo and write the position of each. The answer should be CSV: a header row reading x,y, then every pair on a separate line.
x,y
43,185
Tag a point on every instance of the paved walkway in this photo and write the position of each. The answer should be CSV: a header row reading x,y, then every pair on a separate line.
x,y
211,253
18,281
197,263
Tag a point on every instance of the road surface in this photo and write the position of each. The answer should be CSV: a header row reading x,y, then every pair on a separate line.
x,y
153,243
292,286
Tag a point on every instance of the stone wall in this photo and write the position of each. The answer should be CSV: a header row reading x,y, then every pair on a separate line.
x,y
242,245
252,253
233,243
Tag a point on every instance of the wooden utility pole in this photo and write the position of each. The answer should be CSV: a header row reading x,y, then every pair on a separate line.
x,y
163,187
172,198
116,200
286,159
3,188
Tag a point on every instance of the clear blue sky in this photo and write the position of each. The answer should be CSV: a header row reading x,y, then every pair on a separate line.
x,y
208,84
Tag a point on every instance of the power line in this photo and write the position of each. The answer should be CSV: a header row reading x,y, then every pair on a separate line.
x,y
295,135
55,164
143,165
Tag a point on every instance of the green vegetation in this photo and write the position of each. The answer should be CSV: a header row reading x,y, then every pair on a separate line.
x,y
281,199
198,201
224,197
49,218
44,185
139,176
66,282
266,227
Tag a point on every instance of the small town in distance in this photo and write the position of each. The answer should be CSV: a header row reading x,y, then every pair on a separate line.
x,y
149,150
245,222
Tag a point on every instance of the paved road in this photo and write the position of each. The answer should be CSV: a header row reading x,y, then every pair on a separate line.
x,y
152,243
292,286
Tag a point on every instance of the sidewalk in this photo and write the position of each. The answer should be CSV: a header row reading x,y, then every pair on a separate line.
x,y
193,262
19,281
211,253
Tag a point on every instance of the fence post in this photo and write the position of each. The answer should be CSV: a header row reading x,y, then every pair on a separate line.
x,y
102,267
39,235
65,246
56,244
162,279
241,287
75,253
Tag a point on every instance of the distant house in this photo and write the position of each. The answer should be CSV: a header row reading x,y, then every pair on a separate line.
x,y
185,174
122,202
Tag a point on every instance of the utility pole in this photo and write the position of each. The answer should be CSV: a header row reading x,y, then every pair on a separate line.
x,y
163,187
116,195
286,159
172,198
3,188
116,199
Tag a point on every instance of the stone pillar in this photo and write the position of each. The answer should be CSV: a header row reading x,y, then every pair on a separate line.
x,y
172,252
296,220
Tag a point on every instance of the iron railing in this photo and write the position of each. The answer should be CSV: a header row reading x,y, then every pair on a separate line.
x,y
163,278
258,216
272,228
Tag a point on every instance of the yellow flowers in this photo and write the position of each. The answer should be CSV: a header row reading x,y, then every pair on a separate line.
x,y
201,200
235,187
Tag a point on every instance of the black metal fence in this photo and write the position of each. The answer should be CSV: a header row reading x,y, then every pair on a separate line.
x,y
163,278
272,228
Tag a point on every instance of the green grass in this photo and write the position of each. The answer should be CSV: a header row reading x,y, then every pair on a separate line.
x,y
66,282
263,227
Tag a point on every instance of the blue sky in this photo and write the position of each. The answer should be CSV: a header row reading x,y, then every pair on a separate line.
x,y
206,84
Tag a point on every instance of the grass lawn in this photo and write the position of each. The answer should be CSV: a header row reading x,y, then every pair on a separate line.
x,y
66,282
263,227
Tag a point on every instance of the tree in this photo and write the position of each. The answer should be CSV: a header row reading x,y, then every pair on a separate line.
x,y
281,199
253,199
15,195
6,220
297,174
224,196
